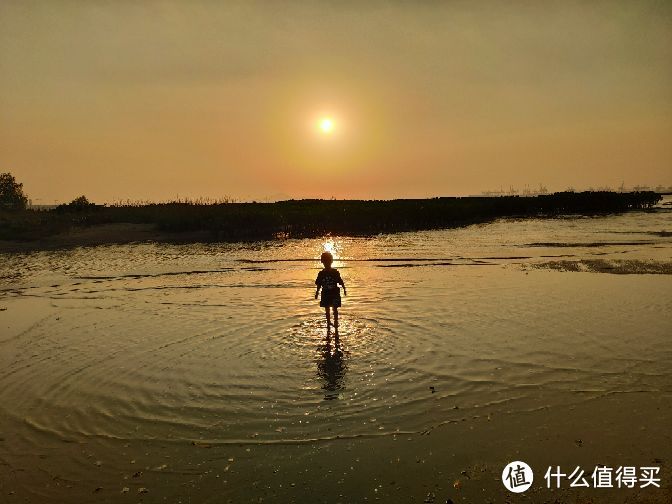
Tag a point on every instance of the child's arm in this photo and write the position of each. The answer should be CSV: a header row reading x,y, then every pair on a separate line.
x,y
318,284
340,280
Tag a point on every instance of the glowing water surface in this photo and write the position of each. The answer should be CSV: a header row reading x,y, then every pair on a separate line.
x,y
224,343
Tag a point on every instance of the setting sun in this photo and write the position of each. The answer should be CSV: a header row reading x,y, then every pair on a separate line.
x,y
326,125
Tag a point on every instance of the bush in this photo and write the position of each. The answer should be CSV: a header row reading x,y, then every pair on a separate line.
x,y
11,193
78,204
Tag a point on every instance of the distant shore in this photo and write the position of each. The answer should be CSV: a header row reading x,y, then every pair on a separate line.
x,y
102,234
70,226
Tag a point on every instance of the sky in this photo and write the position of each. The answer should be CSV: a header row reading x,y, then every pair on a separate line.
x,y
153,100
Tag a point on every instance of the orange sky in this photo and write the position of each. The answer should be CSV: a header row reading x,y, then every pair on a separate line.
x,y
150,100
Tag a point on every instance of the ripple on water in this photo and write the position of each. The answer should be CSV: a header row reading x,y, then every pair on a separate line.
x,y
225,344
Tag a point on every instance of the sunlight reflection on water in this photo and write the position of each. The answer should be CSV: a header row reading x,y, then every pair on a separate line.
x,y
225,341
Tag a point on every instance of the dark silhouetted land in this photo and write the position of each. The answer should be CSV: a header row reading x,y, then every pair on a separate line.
x,y
89,224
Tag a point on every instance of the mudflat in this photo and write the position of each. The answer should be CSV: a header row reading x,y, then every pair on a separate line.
x,y
203,372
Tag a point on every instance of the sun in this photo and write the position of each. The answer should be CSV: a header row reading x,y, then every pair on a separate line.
x,y
326,125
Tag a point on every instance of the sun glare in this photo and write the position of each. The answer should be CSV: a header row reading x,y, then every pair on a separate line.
x,y
326,125
330,246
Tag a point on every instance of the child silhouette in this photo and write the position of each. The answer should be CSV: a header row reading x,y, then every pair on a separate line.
x,y
328,280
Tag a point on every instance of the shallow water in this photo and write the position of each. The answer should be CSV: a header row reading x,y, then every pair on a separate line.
x,y
224,343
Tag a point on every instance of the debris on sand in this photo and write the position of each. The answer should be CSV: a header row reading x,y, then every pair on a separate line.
x,y
614,266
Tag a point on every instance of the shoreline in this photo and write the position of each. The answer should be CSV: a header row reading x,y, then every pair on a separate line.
x,y
102,234
455,462
71,226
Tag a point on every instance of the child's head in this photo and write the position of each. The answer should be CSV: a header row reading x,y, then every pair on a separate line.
x,y
326,258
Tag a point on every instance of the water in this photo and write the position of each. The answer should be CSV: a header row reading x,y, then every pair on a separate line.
x,y
224,343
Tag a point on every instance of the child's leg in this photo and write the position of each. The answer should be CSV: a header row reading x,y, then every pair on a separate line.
x,y
336,317
328,315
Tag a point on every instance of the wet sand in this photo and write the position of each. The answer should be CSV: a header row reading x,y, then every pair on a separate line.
x,y
458,462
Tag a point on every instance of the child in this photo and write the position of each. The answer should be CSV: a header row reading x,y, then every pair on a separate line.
x,y
328,279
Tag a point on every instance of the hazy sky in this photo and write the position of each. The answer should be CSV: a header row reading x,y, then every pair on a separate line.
x,y
148,100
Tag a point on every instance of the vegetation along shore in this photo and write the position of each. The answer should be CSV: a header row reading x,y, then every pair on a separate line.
x,y
84,223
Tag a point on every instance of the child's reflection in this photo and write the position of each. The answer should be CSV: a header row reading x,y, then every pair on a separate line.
x,y
331,367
